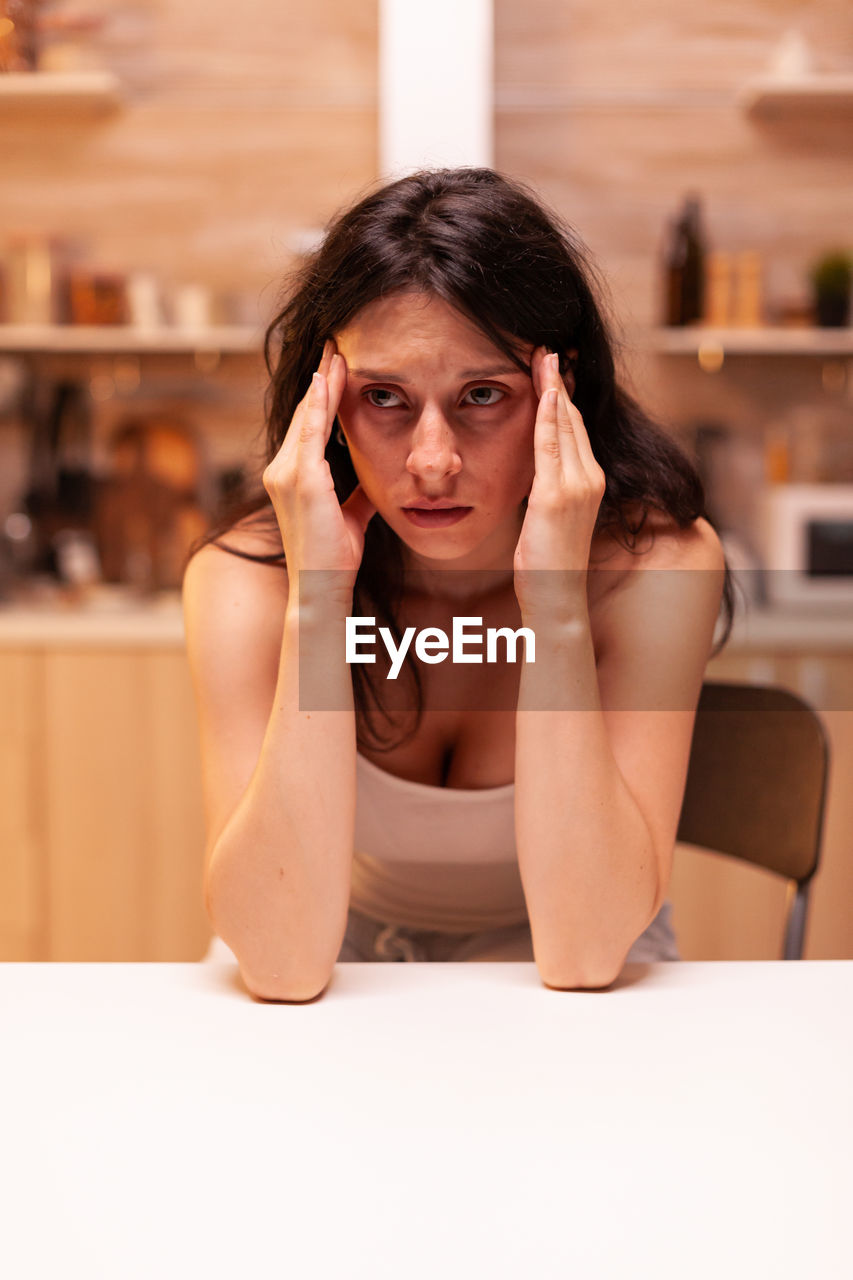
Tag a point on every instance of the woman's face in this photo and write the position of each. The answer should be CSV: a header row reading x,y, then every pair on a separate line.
x,y
439,424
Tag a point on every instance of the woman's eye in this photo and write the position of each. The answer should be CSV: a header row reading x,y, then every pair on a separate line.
x,y
385,399
484,395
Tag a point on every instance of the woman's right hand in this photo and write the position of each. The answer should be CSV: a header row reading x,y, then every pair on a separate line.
x,y
317,532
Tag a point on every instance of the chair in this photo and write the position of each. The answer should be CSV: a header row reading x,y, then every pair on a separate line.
x,y
756,787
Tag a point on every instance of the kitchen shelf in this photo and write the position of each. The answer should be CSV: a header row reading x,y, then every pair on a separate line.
x,y
776,96
84,92
691,340
244,339
127,340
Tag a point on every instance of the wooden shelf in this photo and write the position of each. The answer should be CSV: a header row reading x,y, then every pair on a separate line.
x,y
777,97
85,92
690,341
126,340
242,339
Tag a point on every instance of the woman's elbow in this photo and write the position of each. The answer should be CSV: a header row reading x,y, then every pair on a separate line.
x,y
580,976
284,988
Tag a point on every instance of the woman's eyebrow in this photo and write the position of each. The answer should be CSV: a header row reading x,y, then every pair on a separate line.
x,y
376,375
500,371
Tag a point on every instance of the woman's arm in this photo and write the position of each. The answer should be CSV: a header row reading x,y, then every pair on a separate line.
x,y
601,746
279,781
276,711
602,754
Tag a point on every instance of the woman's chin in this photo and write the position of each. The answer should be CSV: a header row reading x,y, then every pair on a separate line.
x,y
432,551
438,551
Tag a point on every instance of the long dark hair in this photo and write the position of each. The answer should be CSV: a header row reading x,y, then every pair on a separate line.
x,y
486,245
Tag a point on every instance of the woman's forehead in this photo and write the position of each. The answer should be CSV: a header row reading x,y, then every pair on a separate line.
x,y
414,321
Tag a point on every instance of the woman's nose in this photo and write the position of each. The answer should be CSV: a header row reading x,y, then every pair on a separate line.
x,y
433,452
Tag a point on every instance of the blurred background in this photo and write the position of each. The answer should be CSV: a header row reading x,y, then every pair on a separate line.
x,y
164,166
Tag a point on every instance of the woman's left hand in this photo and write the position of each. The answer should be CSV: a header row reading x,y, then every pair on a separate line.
x,y
563,505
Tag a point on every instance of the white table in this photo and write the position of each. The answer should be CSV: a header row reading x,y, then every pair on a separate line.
x,y
427,1120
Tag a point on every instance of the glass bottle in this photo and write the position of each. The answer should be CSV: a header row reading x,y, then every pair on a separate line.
x,y
685,266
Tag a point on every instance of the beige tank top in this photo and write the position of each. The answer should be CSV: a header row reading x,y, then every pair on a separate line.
x,y
434,857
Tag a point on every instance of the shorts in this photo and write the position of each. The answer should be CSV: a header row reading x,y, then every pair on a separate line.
x,y
368,940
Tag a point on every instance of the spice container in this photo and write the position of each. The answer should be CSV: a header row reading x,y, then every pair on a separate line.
x,y
718,289
748,308
97,298
30,281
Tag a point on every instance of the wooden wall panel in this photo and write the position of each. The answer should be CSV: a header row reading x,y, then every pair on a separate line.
x,y
618,174
237,128
656,45
614,113
241,128
189,194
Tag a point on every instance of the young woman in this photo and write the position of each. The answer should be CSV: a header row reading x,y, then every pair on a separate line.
x,y
447,439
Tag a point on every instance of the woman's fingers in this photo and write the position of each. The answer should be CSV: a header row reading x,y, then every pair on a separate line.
x,y
550,418
321,403
546,443
312,428
571,430
337,385
566,422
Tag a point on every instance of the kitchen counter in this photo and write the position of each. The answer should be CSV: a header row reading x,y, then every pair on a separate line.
x,y
111,619
810,629
422,1120
115,619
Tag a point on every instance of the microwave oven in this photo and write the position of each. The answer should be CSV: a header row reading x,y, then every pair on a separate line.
x,y
806,536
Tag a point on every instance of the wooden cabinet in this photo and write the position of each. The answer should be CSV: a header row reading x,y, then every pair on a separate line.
x,y
102,820
22,863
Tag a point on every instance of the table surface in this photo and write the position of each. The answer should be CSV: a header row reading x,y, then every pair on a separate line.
x,y
427,1120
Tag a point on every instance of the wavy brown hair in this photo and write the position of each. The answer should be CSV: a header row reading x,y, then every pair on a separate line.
x,y
486,245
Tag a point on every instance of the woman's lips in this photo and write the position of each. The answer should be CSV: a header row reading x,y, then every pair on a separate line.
x,y
438,518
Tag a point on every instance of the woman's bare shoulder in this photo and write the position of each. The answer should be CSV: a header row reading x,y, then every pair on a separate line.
x,y
236,590
662,544
255,536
